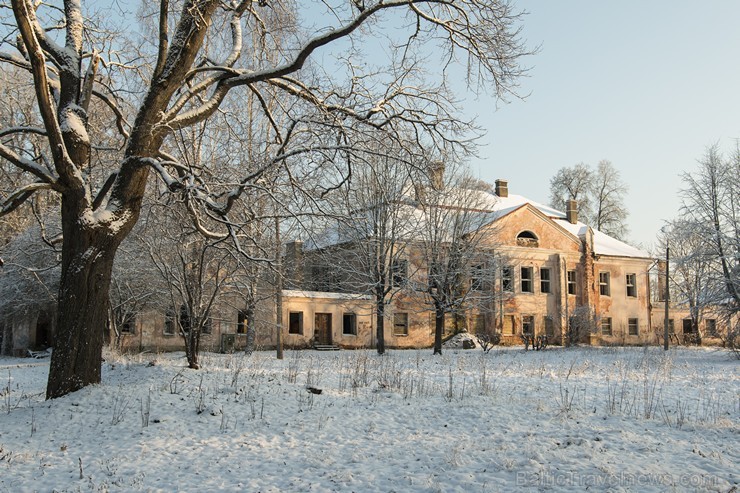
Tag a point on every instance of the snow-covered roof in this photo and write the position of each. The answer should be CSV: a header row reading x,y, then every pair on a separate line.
x,y
603,243
493,207
295,293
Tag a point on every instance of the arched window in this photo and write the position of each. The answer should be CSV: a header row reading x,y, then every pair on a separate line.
x,y
527,238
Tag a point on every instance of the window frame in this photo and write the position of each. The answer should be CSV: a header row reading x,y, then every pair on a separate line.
x,y
528,320
399,273
633,323
710,331
631,285
529,279
546,282
607,328
571,283
477,278
507,279
605,283
400,319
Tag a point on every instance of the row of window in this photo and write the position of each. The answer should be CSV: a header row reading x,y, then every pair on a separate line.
x,y
605,284
349,323
528,281
633,326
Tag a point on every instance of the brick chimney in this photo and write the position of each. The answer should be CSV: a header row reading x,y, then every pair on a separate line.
x,y
436,174
294,265
502,188
571,211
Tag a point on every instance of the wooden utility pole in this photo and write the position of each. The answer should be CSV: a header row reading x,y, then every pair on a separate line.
x,y
667,301
278,290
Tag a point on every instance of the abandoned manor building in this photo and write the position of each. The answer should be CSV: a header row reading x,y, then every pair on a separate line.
x,y
531,271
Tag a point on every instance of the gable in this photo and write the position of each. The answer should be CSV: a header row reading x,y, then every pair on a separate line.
x,y
527,218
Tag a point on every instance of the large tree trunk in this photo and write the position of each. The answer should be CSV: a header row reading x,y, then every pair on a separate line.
x,y
251,322
439,325
82,312
380,325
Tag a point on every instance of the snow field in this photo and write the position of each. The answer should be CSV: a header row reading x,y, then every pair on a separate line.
x,y
603,419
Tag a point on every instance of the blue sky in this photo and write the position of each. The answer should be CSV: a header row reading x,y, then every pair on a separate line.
x,y
646,85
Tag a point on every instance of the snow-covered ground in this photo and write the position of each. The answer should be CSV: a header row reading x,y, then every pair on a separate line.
x,y
597,419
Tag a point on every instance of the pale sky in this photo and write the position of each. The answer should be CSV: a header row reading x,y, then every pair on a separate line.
x,y
646,85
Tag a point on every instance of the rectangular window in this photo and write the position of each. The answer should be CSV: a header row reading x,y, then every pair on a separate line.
x,y
711,327
295,323
606,326
528,325
604,288
349,324
527,282
571,282
508,327
241,322
128,325
671,326
688,327
477,278
632,285
507,283
633,327
169,323
399,272
545,280
208,326
400,324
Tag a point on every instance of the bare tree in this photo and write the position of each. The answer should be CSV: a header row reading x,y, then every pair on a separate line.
x,y
375,219
573,183
693,269
710,201
610,213
200,56
452,239
195,271
599,193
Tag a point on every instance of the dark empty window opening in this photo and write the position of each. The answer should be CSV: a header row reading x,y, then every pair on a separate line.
x,y
507,283
169,322
128,325
399,272
527,239
241,322
295,323
477,278
349,324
